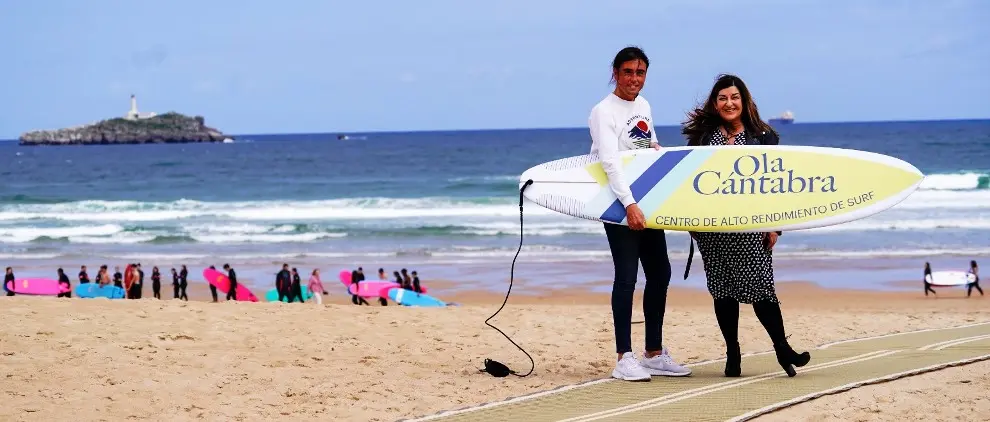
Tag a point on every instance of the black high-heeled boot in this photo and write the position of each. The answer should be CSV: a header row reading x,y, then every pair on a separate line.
x,y
727,314
769,315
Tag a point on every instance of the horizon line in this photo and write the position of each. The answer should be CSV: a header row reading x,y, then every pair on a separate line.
x,y
515,129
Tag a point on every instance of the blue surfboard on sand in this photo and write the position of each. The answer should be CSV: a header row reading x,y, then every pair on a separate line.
x,y
411,298
92,290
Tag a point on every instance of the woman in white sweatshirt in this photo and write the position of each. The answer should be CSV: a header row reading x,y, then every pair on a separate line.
x,y
623,121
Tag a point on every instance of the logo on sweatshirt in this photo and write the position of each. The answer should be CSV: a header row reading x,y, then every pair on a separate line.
x,y
640,134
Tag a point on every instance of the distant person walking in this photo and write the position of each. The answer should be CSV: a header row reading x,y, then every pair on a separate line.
x,y
183,283
232,288
296,289
975,270
175,284
316,287
213,289
283,283
928,278
357,276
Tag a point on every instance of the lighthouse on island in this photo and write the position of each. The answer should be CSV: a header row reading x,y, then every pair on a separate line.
x,y
134,114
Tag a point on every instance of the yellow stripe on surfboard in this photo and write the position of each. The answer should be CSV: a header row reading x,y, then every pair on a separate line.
x,y
733,191
598,173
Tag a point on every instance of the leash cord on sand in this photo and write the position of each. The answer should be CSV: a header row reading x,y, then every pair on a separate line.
x,y
494,367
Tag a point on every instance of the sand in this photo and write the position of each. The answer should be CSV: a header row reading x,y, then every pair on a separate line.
x,y
171,360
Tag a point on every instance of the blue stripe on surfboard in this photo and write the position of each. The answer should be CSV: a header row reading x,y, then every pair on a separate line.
x,y
673,180
642,185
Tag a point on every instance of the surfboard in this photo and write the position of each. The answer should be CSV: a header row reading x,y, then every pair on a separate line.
x,y
368,287
951,278
34,287
94,290
222,283
728,188
410,298
128,277
272,295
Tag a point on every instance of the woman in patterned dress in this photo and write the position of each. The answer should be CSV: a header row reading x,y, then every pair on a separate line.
x,y
739,266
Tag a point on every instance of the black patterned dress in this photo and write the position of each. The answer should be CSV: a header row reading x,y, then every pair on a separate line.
x,y
737,265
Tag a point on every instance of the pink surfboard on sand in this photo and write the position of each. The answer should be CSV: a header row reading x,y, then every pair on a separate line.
x,y
370,288
35,286
222,284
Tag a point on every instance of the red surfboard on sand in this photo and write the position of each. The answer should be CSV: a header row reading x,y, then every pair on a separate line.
x,y
222,284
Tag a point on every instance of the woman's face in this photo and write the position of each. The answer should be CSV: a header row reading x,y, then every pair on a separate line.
x,y
728,102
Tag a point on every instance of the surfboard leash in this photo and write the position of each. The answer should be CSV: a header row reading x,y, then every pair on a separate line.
x,y
493,367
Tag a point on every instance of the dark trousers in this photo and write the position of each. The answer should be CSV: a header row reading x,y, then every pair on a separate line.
x,y
182,292
175,291
976,285
629,249
213,291
727,314
928,288
232,291
156,289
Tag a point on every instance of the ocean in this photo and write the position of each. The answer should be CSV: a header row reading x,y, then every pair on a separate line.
x,y
445,203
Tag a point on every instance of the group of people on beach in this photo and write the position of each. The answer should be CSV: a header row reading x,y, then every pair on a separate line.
x,y
405,280
132,284
973,269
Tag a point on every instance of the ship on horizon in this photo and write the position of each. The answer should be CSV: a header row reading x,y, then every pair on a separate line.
x,y
785,118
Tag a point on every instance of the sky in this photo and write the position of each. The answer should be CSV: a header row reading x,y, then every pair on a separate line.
x,y
306,66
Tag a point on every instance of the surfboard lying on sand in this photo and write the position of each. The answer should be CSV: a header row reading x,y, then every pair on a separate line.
x,y
951,278
728,188
222,283
410,298
272,295
34,287
369,288
94,290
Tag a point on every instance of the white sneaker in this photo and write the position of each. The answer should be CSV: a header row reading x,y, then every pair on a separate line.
x,y
663,364
629,369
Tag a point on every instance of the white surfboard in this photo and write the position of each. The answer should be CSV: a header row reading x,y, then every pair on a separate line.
x,y
728,188
951,278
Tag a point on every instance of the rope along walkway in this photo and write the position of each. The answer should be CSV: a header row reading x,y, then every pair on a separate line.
x,y
708,395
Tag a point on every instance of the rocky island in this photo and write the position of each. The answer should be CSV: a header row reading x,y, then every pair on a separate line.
x,y
133,128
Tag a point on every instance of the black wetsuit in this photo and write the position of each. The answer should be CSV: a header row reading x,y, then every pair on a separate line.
x,y
64,280
183,283
928,286
9,278
232,289
118,279
976,285
283,283
296,289
175,285
356,278
83,277
416,285
156,285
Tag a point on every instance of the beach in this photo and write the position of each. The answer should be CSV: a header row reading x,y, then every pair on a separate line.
x,y
175,360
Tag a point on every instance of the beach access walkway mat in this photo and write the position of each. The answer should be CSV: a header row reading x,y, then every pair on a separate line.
x,y
707,395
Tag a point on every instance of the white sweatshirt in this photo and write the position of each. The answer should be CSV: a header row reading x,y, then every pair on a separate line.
x,y
620,125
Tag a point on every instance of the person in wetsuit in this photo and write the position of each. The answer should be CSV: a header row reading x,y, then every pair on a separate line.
x,y
213,289
975,270
140,282
232,289
156,283
357,276
175,284
83,277
283,283
415,283
63,280
183,283
9,278
928,276
118,278
296,290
